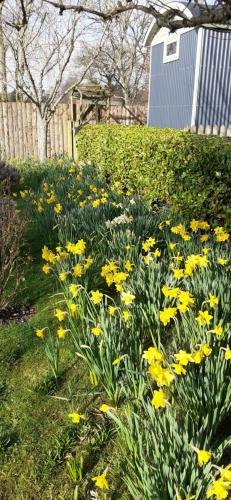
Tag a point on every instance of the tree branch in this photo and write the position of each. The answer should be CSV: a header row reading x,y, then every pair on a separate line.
x,y
218,14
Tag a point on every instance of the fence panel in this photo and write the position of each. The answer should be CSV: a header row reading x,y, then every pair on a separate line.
x,y
19,132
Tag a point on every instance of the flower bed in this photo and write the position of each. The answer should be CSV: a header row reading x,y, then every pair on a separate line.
x,y
145,301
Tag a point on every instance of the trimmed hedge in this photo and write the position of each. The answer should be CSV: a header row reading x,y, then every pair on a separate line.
x,y
190,173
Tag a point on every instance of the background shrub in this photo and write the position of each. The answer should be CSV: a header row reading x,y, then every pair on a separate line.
x,y
188,172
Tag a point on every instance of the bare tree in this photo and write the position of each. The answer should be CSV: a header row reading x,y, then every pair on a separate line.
x,y
219,13
3,73
121,61
41,52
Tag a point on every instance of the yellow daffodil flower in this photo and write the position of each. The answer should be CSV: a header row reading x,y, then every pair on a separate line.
x,y
101,481
73,288
213,301
204,318
97,331
96,297
60,315
159,399
76,417
40,332
104,408
219,489
127,298
167,314
203,456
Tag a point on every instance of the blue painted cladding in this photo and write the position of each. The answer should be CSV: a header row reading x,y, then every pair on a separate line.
x,y
214,98
171,85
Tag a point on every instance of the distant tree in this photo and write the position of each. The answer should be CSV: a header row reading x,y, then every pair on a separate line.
x,y
41,50
121,62
3,72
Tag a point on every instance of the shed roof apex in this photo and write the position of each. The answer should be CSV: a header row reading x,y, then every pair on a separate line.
x,y
188,9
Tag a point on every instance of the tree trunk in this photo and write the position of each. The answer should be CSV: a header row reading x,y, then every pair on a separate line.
x,y
3,76
42,137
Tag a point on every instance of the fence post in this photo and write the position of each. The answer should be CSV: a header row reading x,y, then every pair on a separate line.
x,y
229,131
223,131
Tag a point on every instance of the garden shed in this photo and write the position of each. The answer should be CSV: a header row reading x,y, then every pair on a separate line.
x,y
190,73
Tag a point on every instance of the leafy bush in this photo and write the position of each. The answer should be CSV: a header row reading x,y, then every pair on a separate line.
x,y
12,228
191,173
8,172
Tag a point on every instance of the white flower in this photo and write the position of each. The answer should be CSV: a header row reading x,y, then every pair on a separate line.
x,y
122,219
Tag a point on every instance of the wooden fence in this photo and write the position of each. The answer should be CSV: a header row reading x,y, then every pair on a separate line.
x,y
18,130
221,130
19,133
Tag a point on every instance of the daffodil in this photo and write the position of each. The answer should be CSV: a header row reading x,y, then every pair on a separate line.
x,y
219,489
171,246
149,243
178,273
197,357
77,248
159,399
126,315
157,253
76,417
73,289
46,269
225,473
60,315
203,456
162,376
77,270
97,331
96,203
222,261
96,297
213,301
218,330
73,309
40,332
104,408
58,208
128,266
204,318
101,481
61,332
120,277
222,235
178,369
171,292
204,238
186,299
117,360
167,314
127,298
206,349
152,354
63,276
111,310
88,262
183,357
228,354
48,255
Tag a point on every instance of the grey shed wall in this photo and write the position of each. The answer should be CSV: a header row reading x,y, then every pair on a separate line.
x,y
214,97
171,85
